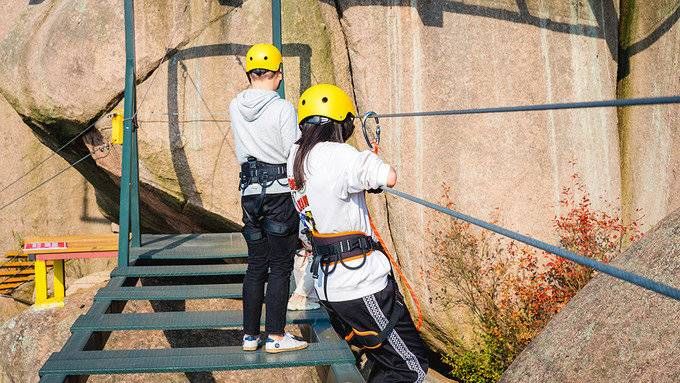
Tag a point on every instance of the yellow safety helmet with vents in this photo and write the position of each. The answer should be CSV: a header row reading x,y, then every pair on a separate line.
x,y
325,100
263,56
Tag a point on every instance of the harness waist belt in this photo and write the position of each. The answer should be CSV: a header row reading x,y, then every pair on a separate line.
x,y
254,171
331,249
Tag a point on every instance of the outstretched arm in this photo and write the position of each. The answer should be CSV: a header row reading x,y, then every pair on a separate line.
x,y
365,171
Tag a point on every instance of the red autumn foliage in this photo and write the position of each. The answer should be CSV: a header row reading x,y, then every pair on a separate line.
x,y
582,229
512,290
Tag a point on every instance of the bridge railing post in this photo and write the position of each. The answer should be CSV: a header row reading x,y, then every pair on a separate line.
x,y
129,140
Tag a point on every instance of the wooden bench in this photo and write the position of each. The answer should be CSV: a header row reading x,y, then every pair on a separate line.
x,y
14,265
57,249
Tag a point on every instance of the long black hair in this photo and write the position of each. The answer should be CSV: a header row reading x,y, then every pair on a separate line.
x,y
314,130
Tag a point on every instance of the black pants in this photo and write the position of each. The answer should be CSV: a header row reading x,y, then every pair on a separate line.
x,y
271,231
403,356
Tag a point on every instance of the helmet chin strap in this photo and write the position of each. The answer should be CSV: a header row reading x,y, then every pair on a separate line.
x,y
338,132
343,130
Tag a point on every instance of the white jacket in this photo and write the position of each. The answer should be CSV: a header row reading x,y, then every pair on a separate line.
x,y
336,177
265,127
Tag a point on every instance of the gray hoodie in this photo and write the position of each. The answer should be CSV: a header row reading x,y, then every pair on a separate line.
x,y
265,127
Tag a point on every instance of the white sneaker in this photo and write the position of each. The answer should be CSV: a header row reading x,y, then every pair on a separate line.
x,y
252,342
288,343
300,303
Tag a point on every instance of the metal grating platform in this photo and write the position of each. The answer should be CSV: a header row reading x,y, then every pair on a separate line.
x,y
327,351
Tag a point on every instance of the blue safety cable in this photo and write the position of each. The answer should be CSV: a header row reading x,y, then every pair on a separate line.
x,y
529,108
624,275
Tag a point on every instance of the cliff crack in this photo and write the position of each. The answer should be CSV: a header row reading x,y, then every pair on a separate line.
x,y
338,9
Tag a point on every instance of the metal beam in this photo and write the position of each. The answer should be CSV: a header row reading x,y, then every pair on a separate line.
x,y
129,112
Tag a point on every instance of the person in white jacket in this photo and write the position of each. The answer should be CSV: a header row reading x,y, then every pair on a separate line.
x,y
353,278
264,128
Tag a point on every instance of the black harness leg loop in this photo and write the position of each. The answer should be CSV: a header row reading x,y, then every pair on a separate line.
x,y
397,312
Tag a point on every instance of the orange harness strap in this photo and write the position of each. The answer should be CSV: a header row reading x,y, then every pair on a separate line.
x,y
402,277
396,267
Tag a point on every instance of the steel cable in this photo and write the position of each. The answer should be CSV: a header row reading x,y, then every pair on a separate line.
x,y
529,108
613,271
48,157
45,181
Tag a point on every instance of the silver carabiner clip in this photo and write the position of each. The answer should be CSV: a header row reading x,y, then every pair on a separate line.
x,y
372,138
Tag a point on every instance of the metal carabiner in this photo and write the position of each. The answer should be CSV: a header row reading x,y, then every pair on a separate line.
x,y
375,142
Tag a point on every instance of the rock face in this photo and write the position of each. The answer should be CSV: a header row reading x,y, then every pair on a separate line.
x,y
482,54
394,57
186,154
26,346
612,331
650,136
9,308
65,205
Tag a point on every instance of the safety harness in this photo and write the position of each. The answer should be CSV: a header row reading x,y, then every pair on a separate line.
x,y
264,174
329,250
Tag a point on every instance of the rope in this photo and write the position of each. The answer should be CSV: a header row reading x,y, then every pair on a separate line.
x,y
613,271
529,108
11,259
45,182
49,156
402,277
141,102
416,302
213,118
69,142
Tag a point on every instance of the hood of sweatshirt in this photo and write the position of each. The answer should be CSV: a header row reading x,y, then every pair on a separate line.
x,y
252,102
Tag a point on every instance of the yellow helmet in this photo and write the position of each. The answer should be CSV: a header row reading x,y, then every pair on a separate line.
x,y
325,100
263,56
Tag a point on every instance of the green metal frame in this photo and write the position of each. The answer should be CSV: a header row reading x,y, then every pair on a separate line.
x,y
277,37
129,218
129,180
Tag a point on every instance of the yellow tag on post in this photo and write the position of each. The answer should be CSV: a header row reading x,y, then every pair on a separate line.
x,y
117,127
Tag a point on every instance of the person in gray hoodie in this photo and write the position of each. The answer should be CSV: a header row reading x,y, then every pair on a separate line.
x,y
264,128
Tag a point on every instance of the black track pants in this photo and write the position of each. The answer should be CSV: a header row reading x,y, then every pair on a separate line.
x,y
271,232
403,356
